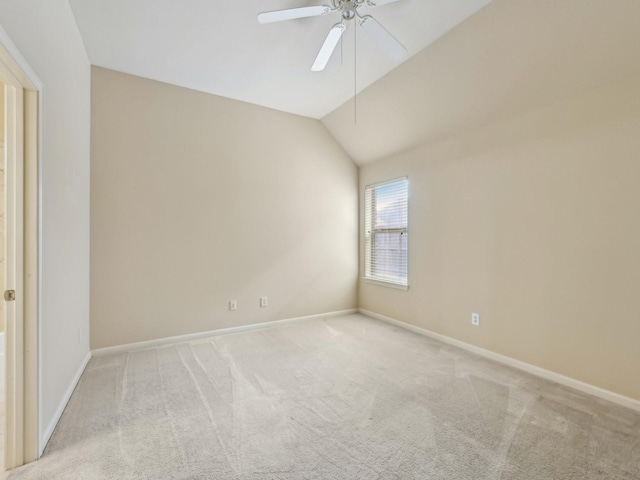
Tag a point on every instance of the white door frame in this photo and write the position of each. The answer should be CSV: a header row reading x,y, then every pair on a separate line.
x,y
23,166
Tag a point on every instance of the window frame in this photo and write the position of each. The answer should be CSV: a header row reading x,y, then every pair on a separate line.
x,y
370,233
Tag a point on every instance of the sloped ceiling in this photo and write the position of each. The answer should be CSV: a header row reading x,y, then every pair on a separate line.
x,y
217,46
472,60
511,56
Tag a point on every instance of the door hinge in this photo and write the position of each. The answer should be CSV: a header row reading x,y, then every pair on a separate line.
x,y
9,295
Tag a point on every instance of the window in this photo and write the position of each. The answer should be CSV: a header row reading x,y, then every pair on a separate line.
x,y
386,232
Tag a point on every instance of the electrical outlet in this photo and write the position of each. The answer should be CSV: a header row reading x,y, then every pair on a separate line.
x,y
264,302
233,305
475,319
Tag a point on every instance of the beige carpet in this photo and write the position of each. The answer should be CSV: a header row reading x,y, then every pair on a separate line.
x,y
342,398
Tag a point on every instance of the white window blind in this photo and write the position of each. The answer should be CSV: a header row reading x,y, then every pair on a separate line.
x,y
386,231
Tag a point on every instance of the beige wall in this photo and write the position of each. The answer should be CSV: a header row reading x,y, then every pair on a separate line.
x,y
45,33
197,200
533,222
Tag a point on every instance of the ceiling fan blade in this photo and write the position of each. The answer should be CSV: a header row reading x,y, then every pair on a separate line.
x,y
379,3
328,47
293,13
387,42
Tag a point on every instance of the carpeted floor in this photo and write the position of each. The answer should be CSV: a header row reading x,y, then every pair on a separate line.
x,y
341,398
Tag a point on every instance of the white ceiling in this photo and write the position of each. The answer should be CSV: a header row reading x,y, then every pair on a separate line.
x,y
218,46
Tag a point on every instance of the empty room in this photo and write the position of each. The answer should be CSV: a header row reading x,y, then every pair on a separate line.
x,y
320,239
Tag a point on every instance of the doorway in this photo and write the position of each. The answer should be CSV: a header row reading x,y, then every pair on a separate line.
x,y
19,265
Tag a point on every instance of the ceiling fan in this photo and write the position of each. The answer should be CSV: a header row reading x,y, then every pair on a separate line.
x,y
349,9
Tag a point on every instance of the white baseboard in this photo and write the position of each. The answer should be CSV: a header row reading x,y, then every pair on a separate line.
x,y
100,352
46,436
512,362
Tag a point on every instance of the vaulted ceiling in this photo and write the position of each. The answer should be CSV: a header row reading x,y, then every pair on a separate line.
x,y
510,57
218,46
470,61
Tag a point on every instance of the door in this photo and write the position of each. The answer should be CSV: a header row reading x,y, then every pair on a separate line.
x,y
21,263
14,142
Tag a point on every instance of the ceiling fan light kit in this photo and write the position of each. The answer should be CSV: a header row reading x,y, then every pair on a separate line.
x,y
349,10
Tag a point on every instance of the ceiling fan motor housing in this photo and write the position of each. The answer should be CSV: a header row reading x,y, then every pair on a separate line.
x,y
348,9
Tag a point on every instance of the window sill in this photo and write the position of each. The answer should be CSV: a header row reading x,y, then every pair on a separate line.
x,y
382,283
